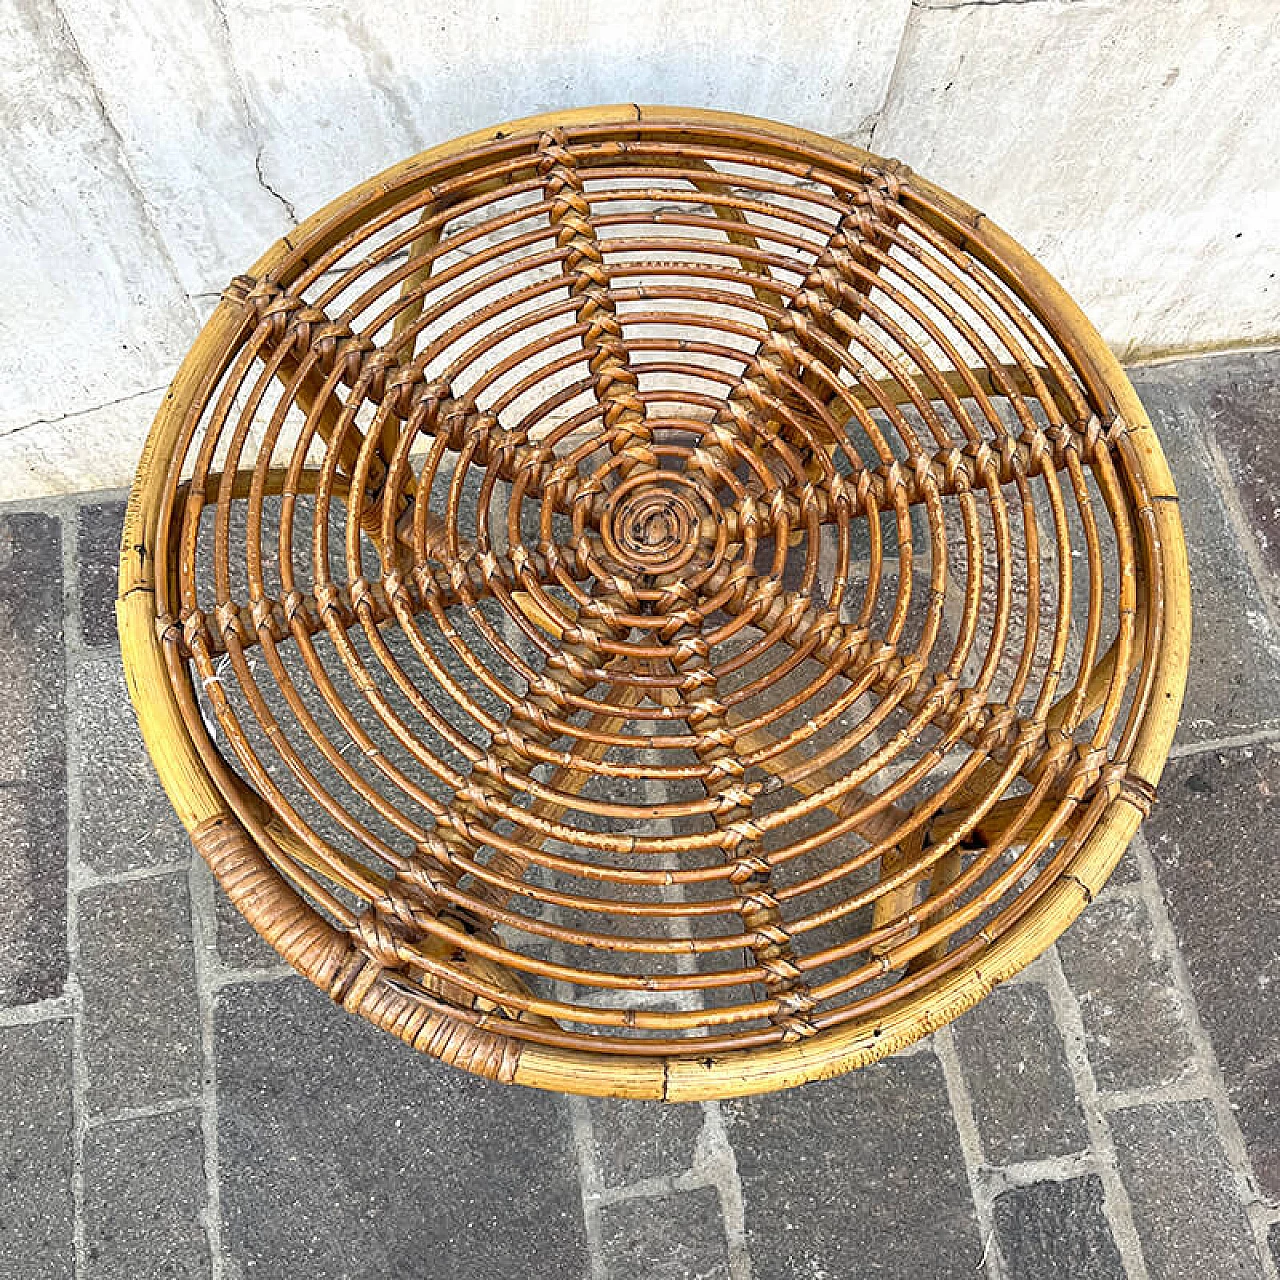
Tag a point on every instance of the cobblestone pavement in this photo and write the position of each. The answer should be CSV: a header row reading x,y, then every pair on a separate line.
x,y
175,1104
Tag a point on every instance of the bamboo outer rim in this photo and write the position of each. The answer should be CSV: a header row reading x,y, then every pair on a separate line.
x,y
650,602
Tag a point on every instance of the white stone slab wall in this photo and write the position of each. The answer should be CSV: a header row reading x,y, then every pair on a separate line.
x,y
149,149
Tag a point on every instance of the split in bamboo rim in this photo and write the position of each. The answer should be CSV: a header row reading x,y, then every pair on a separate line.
x,y
654,603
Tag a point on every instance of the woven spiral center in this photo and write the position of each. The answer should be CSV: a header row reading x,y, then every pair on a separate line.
x,y
651,526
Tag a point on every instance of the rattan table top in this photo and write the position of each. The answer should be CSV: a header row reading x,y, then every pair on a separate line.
x,y
655,603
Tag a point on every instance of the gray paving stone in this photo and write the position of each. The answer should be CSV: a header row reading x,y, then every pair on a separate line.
x,y
239,945
882,1139
126,820
32,724
97,554
675,1237
1183,1194
142,1018
144,1192
1242,402
33,891
1134,1024
636,1140
1255,1098
343,1152
1016,1069
1211,835
33,764
1056,1229
36,1210
1234,680
1127,869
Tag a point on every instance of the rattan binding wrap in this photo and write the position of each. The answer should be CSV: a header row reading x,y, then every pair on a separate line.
x,y
655,603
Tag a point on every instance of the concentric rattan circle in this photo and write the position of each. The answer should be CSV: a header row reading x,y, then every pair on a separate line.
x,y
653,602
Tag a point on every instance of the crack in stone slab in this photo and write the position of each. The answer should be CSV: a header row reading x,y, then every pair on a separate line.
x,y
122,152
80,413
974,4
269,189
250,124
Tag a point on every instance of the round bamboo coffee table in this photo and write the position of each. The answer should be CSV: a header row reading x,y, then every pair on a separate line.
x,y
654,603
